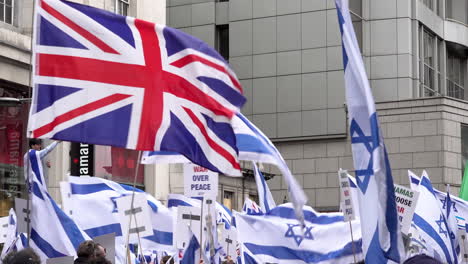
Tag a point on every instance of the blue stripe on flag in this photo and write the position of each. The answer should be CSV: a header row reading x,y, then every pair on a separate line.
x,y
44,246
35,165
224,90
69,226
177,202
309,216
265,198
427,228
130,188
102,230
161,237
89,188
414,180
37,191
341,22
280,252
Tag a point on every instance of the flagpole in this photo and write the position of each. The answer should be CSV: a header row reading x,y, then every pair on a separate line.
x,y
352,241
28,208
201,226
132,209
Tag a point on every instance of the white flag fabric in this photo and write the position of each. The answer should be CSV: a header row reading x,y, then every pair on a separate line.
x,y
252,145
459,207
251,208
93,205
277,237
432,227
223,214
381,237
11,235
53,233
264,195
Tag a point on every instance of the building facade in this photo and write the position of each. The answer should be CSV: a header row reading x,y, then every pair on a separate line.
x,y
288,57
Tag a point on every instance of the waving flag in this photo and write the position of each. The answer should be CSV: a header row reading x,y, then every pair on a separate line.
x,y
264,195
223,214
106,79
65,236
92,202
279,238
253,145
251,208
192,252
14,241
431,225
381,232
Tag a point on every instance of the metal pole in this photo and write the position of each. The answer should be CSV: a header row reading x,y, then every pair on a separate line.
x,y
201,225
28,196
131,206
352,241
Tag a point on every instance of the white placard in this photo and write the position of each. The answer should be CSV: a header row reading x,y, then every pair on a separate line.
x,y
3,229
406,200
61,260
209,222
346,198
199,181
107,241
187,217
22,216
229,241
140,214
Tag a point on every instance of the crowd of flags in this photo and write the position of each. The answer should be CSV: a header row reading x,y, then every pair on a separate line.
x,y
184,107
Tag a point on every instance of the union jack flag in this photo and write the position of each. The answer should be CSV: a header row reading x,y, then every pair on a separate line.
x,y
106,79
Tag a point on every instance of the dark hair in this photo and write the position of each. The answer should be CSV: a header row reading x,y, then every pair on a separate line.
x,y
100,260
87,249
24,256
165,260
34,141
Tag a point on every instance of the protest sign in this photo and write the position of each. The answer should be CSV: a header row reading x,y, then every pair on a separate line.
x,y
187,217
199,181
346,199
22,214
406,200
135,220
3,229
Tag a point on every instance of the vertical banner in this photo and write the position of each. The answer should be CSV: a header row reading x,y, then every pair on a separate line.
x,y
81,159
406,200
346,199
199,181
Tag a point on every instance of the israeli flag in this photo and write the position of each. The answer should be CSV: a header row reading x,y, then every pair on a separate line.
x,y
252,145
192,252
92,202
251,208
14,241
278,237
266,199
65,236
381,231
223,214
458,207
432,227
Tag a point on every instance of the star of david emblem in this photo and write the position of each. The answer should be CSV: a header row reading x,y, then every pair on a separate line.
x,y
444,204
371,143
114,202
298,238
441,223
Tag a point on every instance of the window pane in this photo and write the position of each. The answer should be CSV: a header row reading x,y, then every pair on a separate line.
x,y
9,2
9,15
2,12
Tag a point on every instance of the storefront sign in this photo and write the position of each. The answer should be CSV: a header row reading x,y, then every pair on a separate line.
x,y
82,159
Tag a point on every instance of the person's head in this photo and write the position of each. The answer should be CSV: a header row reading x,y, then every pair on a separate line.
x,y
25,256
35,143
167,260
100,250
87,249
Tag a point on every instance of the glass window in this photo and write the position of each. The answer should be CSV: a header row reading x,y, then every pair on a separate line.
x,y
118,164
455,75
6,11
464,145
222,40
121,7
228,199
428,62
457,10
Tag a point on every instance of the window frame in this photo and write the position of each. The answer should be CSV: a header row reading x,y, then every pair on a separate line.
x,y
118,3
3,8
